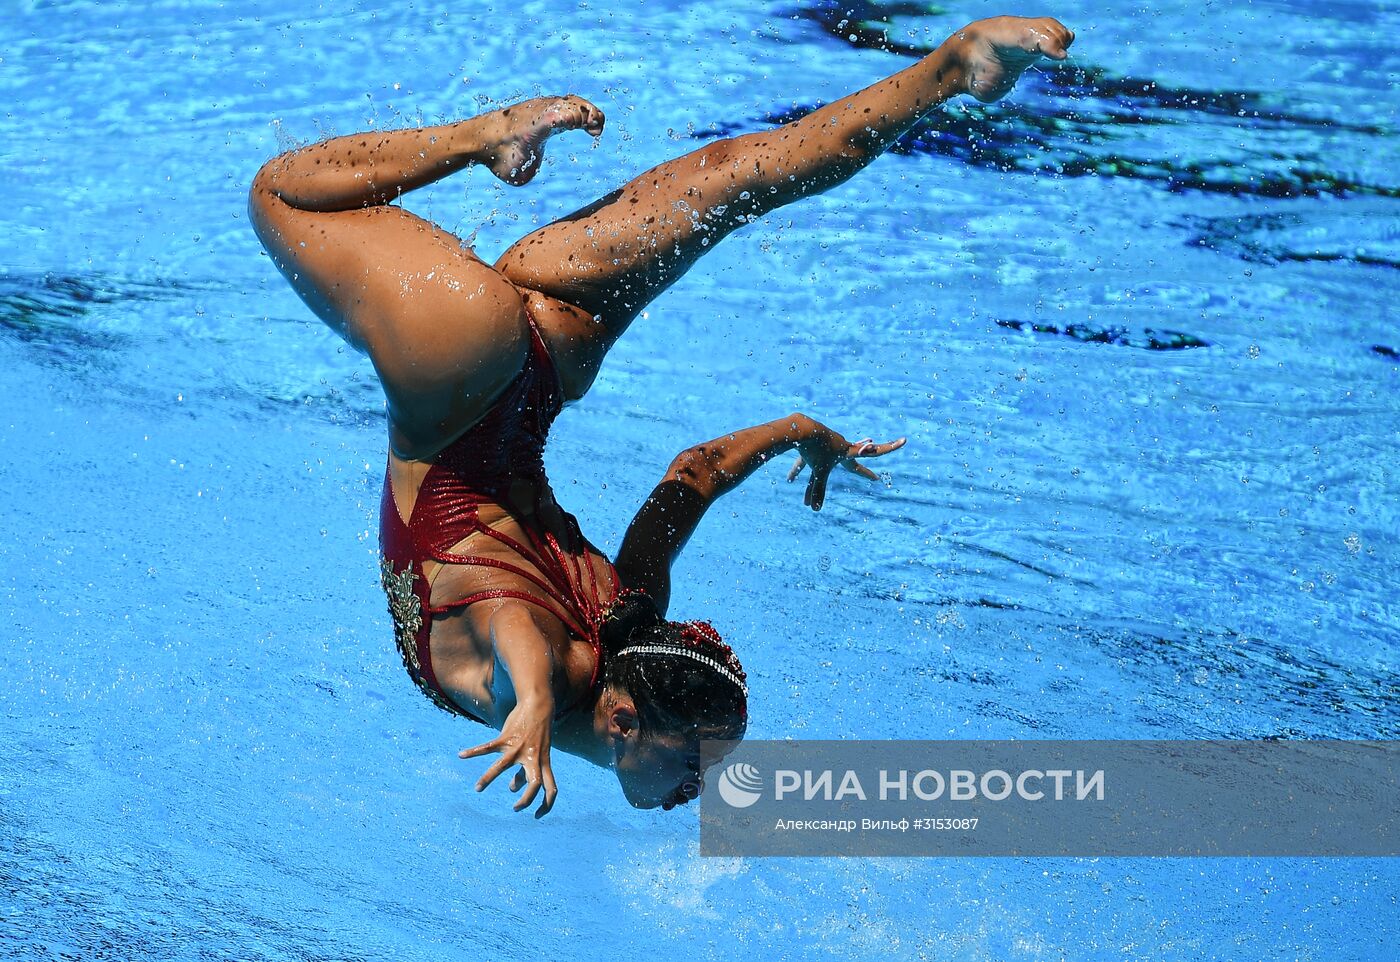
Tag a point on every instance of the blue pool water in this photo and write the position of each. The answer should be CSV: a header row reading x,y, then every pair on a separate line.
x,y
1137,322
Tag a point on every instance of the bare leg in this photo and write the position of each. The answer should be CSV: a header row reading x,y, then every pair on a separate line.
x,y
614,256
445,331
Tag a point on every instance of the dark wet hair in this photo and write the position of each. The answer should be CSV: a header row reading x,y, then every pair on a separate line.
x,y
682,678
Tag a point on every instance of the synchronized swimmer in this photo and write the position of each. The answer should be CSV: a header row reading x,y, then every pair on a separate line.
x,y
503,611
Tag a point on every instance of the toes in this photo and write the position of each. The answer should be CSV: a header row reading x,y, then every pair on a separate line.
x,y
1056,40
590,117
596,120
1040,43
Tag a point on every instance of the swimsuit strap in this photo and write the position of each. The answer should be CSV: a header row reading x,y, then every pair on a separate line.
x,y
564,571
490,593
462,559
563,594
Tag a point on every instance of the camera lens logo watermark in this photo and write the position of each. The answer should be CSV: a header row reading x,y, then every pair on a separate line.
x,y
740,785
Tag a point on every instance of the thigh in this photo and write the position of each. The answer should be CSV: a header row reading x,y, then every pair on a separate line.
x,y
445,331
616,255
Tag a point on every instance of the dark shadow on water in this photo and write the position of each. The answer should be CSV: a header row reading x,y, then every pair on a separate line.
x,y
866,25
93,326
1148,339
1193,683
53,311
1303,685
1369,235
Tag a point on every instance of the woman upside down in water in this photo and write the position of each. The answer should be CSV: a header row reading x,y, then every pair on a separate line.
x,y
503,611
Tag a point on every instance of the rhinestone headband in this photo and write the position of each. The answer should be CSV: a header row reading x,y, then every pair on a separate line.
x,y
703,659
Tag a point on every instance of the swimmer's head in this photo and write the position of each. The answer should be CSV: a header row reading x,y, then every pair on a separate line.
x,y
667,686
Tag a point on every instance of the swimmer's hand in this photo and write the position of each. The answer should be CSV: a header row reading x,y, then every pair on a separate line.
x,y
523,741
822,450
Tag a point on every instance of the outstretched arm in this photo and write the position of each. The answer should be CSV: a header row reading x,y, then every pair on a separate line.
x,y
522,704
701,475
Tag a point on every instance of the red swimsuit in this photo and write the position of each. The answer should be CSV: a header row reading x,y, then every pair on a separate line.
x,y
507,444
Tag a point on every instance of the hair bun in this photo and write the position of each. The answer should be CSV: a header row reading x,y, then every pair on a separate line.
x,y
633,610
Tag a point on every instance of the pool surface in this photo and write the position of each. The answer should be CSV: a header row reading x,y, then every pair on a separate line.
x,y
1137,321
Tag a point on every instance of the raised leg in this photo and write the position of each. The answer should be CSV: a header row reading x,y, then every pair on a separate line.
x,y
614,256
445,331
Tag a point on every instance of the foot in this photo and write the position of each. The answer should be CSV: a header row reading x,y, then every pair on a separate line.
x,y
519,148
995,52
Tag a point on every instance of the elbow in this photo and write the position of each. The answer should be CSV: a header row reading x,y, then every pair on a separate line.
x,y
696,469
858,149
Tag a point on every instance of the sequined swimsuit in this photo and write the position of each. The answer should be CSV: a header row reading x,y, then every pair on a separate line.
x,y
506,445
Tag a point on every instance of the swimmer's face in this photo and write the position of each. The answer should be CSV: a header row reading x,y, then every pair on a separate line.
x,y
664,772
661,772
